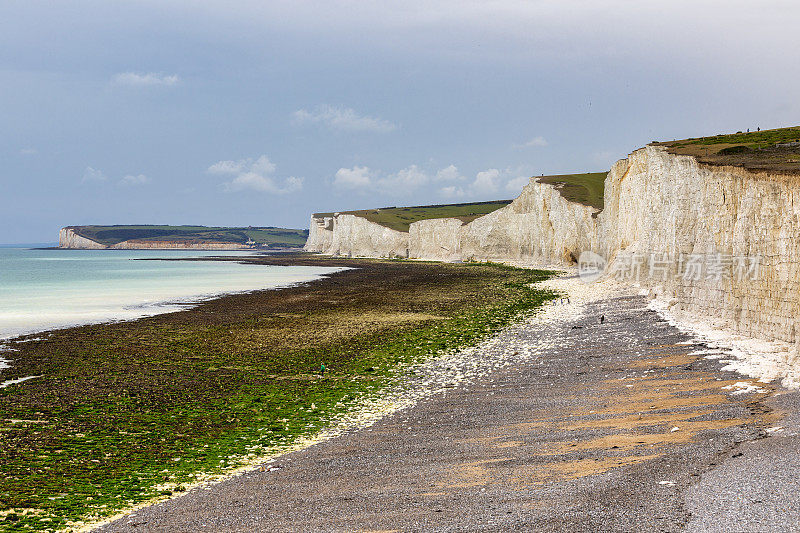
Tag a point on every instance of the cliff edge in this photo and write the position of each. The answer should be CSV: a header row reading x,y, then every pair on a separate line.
x,y
68,238
714,243
540,225
154,237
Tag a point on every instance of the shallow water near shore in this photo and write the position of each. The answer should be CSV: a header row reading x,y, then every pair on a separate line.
x,y
48,289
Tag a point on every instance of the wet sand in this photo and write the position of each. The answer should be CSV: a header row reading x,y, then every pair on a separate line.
x,y
598,427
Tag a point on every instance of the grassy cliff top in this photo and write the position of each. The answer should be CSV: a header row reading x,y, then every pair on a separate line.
x,y
585,189
110,235
777,149
400,218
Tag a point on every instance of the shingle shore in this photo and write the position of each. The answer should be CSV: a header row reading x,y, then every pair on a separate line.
x,y
556,424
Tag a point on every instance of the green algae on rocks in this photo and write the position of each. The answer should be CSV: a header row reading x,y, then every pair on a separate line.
x,y
128,412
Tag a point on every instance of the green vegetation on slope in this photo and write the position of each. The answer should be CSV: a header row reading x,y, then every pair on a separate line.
x,y
755,139
777,149
585,189
110,235
125,412
400,218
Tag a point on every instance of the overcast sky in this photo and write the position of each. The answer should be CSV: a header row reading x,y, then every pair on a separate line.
x,y
262,112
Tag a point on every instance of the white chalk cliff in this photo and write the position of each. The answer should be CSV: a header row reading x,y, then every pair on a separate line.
x,y
538,226
743,226
68,238
664,215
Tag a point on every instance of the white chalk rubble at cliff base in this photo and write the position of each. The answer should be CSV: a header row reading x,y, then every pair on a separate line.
x,y
763,360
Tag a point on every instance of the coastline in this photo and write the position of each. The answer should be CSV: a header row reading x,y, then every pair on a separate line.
x,y
404,386
123,291
554,410
365,382
766,361
429,378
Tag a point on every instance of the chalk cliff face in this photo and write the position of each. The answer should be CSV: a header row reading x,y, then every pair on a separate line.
x,y
717,243
356,236
540,225
67,238
721,243
320,234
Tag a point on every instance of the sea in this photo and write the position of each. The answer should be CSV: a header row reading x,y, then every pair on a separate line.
x,y
42,289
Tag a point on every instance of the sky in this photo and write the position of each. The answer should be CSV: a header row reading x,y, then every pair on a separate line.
x,y
259,113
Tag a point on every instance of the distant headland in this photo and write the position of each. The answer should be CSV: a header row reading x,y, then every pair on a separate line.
x,y
155,237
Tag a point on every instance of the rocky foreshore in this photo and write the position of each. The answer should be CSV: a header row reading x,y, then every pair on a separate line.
x,y
558,423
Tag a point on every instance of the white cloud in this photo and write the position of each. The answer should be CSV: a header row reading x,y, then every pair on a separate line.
x,y
93,175
405,180
227,167
257,182
487,185
254,175
353,178
486,182
28,151
449,173
130,179
452,191
148,79
448,182
515,185
400,183
536,141
343,119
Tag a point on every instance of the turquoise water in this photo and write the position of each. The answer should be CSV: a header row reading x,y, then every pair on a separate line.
x,y
47,289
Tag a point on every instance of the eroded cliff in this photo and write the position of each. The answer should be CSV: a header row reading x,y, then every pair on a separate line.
x,y
166,237
719,244
538,226
67,238
716,242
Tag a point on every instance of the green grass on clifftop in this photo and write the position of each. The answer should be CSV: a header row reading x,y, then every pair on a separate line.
x,y
777,150
110,235
585,189
400,218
